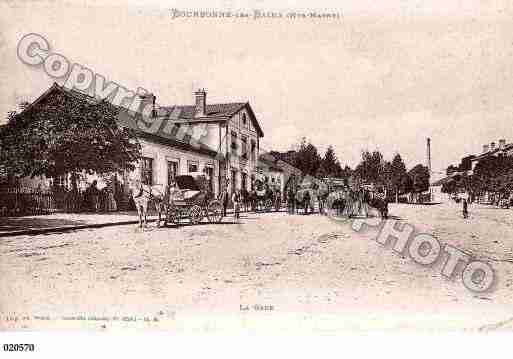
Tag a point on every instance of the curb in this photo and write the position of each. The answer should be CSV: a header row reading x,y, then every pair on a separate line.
x,y
37,231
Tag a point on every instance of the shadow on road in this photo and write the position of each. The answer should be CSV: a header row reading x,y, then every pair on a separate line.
x,y
22,223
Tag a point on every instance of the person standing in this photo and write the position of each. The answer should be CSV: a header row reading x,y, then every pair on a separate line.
x,y
224,200
277,200
465,208
245,199
306,202
236,204
291,198
93,194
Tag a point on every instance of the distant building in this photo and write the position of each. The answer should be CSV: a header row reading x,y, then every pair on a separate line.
x,y
437,195
271,172
277,170
492,149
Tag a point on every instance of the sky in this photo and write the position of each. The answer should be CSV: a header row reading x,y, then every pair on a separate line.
x,y
385,75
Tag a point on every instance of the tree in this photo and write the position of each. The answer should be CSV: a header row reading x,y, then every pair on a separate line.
x,y
67,134
398,174
330,166
492,174
388,176
451,169
449,186
419,178
307,158
371,167
345,172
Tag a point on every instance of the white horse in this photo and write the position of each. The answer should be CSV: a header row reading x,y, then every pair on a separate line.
x,y
143,194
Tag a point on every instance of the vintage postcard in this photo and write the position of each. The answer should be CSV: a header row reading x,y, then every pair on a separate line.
x,y
265,166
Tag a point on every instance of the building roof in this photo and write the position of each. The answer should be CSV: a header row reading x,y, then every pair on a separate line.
x,y
265,159
496,150
284,158
156,138
441,181
275,158
175,143
213,112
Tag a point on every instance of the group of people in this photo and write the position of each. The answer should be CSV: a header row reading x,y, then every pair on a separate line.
x,y
351,202
97,200
92,199
244,200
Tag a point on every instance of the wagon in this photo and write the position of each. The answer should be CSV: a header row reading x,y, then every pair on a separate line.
x,y
264,195
192,201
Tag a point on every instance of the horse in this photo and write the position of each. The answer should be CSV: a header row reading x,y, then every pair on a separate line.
x,y
322,196
338,201
305,198
143,194
380,203
358,201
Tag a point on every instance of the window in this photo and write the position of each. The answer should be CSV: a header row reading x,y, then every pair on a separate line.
x,y
192,166
234,180
209,172
244,181
253,150
174,130
234,143
147,171
244,120
244,143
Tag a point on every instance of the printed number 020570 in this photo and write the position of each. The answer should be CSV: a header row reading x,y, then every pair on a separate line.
x,y
19,347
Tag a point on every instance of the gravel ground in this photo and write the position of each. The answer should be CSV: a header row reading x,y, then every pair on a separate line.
x,y
269,273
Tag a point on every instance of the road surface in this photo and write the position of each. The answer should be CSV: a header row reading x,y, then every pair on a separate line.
x,y
269,272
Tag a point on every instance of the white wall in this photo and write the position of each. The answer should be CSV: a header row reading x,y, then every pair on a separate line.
x,y
161,154
437,194
235,124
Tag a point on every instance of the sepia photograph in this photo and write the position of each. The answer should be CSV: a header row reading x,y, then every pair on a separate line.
x,y
257,166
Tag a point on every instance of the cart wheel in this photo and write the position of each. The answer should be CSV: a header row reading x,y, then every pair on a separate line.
x,y
173,216
195,214
215,211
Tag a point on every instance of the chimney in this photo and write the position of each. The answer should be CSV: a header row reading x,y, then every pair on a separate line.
x,y
485,148
201,103
502,143
428,153
492,146
146,100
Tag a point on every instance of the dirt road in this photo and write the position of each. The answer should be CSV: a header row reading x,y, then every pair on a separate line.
x,y
269,272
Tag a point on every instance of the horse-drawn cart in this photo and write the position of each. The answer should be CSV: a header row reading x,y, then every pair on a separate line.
x,y
191,201
264,195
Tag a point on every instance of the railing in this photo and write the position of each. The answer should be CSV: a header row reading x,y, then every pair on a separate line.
x,y
24,201
21,201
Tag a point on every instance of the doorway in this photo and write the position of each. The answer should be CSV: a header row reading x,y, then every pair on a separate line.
x,y
172,171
